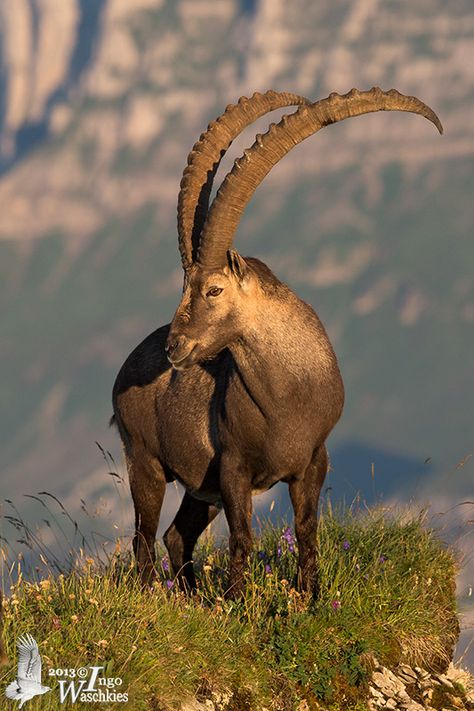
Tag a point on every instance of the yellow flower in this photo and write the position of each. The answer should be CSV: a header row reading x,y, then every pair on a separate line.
x,y
74,618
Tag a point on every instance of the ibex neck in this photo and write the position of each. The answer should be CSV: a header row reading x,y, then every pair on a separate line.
x,y
283,353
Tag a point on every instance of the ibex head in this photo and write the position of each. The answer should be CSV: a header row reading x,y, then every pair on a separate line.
x,y
218,284
213,311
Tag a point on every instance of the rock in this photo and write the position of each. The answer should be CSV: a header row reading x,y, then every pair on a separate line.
x,y
459,675
403,696
444,681
391,704
422,673
427,694
387,682
406,673
412,706
375,705
375,692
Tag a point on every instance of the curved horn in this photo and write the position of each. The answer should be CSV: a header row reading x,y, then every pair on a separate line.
x,y
249,170
204,159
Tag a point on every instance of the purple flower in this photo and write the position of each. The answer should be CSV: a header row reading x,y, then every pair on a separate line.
x,y
279,551
165,563
346,545
262,555
169,584
288,535
291,548
383,559
336,604
268,568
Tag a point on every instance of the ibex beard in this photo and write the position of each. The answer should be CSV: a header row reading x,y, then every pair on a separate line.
x,y
243,388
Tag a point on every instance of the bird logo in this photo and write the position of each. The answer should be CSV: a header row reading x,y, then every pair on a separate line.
x,y
28,680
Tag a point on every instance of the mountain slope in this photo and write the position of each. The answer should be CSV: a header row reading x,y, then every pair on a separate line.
x,y
370,221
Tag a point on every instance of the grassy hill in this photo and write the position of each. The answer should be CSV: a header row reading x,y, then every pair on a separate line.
x,y
387,591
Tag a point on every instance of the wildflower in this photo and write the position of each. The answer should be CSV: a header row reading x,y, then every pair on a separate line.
x,y
291,548
74,618
165,563
72,596
288,536
382,559
268,568
262,555
336,604
45,584
56,623
169,584
93,601
346,545
279,551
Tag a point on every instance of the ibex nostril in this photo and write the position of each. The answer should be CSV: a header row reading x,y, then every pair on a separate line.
x,y
171,344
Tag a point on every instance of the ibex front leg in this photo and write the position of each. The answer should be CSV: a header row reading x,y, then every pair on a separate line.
x,y
147,484
236,495
304,493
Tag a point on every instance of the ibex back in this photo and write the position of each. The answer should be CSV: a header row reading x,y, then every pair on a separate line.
x,y
242,389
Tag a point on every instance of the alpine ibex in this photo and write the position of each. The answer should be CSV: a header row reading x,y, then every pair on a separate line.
x,y
242,389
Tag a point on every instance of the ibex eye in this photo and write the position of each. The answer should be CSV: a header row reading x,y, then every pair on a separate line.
x,y
214,291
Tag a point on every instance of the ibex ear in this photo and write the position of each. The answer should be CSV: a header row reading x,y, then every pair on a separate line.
x,y
237,264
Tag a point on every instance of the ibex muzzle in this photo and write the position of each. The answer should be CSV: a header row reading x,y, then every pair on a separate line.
x,y
254,388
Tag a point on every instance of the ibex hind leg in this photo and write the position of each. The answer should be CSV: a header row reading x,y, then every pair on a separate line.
x,y
304,493
147,484
192,519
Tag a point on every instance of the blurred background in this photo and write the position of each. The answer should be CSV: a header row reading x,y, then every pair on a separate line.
x,y
370,222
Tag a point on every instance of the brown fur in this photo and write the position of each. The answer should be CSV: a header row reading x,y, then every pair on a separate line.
x,y
239,392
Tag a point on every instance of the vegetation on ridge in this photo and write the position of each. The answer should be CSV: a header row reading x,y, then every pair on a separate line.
x,y
387,588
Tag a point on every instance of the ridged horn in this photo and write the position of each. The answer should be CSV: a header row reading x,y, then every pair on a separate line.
x,y
249,170
203,162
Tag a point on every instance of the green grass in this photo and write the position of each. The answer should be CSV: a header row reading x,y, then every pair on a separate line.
x,y
387,588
